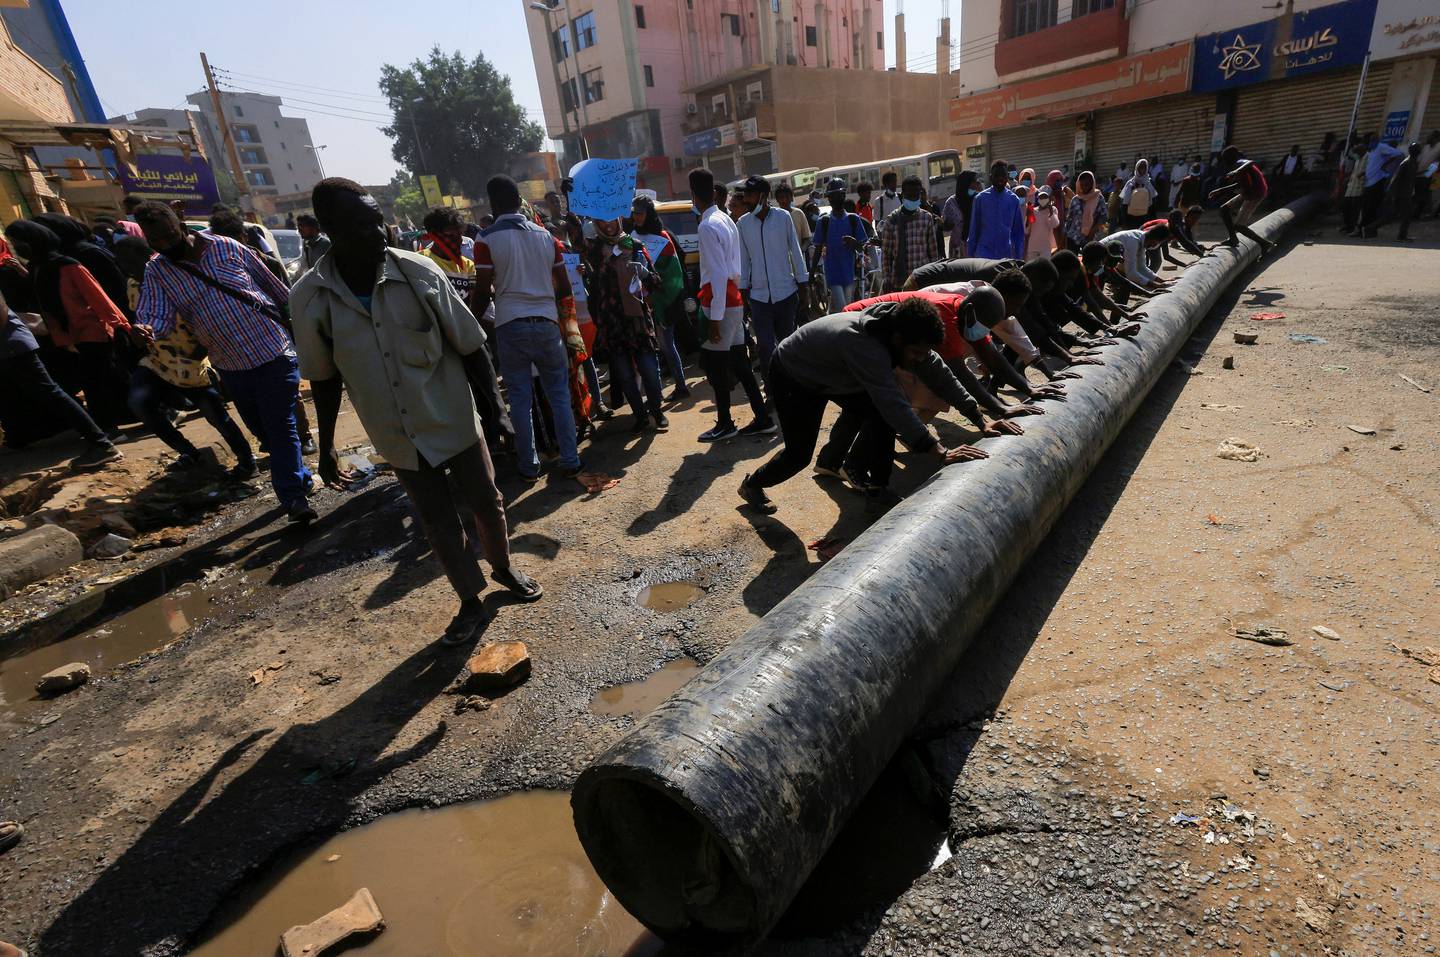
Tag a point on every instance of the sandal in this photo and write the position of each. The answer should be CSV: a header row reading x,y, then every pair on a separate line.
x,y
10,834
519,584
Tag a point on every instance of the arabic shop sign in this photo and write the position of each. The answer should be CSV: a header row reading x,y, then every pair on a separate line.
x,y
1404,28
698,144
167,177
1128,80
1296,45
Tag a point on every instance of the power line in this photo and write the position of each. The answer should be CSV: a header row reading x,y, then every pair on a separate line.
x,y
350,94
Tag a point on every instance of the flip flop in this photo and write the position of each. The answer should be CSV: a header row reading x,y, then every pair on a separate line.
x,y
519,584
10,834
464,628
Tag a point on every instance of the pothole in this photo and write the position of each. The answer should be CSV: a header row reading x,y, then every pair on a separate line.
x,y
501,878
145,628
641,697
669,596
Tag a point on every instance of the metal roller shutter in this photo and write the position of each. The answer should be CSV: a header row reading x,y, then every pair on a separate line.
x,y
1272,117
1167,129
1043,147
1431,121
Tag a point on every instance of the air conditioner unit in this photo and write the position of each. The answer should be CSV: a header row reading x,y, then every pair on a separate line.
x,y
691,109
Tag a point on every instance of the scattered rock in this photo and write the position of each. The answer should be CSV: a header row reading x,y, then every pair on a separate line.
x,y
325,677
1398,447
1428,656
1324,632
1228,362
1333,685
1238,451
332,858
117,523
261,676
63,679
1247,338
1263,634
498,665
168,540
358,915
111,546
35,555
1262,772
1316,917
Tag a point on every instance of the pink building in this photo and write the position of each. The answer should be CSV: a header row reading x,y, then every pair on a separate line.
x,y
614,73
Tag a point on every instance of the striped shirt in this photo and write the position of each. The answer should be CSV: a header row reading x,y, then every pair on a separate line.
x,y
236,335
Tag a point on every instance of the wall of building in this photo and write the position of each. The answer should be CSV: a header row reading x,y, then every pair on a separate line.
x,y
828,117
40,29
278,161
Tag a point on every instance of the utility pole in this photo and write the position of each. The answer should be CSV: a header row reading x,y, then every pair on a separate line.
x,y
241,184
415,130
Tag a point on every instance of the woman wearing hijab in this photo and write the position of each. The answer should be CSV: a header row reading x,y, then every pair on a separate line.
x,y
665,252
956,212
619,281
79,316
1085,216
1137,196
1043,221
1026,179
77,242
1060,195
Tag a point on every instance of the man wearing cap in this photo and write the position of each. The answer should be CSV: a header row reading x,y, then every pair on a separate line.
x,y
772,269
838,237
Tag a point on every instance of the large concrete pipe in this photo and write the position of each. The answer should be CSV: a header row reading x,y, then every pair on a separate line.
x,y
706,819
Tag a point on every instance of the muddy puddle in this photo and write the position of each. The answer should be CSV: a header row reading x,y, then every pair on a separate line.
x,y
147,627
502,878
669,596
641,697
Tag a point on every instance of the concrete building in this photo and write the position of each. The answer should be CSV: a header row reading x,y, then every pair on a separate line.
x,y
619,77
1094,84
277,155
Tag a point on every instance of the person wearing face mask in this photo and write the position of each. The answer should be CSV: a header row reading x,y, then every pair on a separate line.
x,y
1044,220
772,276
620,278
388,327
955,214
1138,194
889,199
908,240
1085,219
236,308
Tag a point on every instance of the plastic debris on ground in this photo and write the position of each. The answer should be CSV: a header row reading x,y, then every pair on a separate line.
x,y
826,548
1238,451
1361,429
1265,316
1307,339
1414,383
1218,407
1263,634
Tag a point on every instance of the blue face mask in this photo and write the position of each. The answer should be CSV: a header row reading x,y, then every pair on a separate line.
x,y
973,191
910,204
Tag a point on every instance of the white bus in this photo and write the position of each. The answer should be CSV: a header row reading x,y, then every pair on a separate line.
x,y
937,170
802,180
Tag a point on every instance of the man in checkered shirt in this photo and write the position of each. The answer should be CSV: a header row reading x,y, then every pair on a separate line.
x,y
908,240
236,308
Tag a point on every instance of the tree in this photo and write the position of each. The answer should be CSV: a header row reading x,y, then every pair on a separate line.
x,y
409,200
465,114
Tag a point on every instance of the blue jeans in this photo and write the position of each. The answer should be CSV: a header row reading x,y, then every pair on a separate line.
x,y
622,367
523,343
841,296
773,321
265,397
671,353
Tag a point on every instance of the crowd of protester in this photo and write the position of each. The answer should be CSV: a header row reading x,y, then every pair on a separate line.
x,y
516,335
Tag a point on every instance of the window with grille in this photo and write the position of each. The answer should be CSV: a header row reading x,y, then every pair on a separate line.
x,y
567,95
640,17
560,40
1032,15
592,82
731,23
649,75
810,37
1083,7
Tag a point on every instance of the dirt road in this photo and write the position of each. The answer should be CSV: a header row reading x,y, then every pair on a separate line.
x,y
1103,699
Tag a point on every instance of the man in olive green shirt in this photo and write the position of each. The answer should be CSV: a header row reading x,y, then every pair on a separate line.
x,y
388,325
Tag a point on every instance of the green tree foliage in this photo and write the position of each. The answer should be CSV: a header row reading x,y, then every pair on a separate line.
x,y
409,200
466,115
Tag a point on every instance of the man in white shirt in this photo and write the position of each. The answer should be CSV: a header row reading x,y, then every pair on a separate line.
x,y
1132,245
1179,172
889,199
722,353
772,269
522,267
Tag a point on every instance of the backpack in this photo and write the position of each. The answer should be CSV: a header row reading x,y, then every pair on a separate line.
x,y
1139,201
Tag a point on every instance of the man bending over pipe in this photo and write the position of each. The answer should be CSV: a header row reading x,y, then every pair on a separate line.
x,y
849,359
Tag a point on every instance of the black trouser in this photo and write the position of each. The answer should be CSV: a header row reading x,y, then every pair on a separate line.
x,y
1350,210
1406,203
1373,200
28,375
101,382
722,371
1422,197
149,394
800,412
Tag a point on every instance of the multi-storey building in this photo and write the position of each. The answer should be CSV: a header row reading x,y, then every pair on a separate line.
x,y
1098,83
277,156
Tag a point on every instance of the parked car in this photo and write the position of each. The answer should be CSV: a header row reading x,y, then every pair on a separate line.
x,y
290,247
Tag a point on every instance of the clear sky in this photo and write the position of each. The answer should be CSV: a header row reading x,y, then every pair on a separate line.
x,y
329,53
